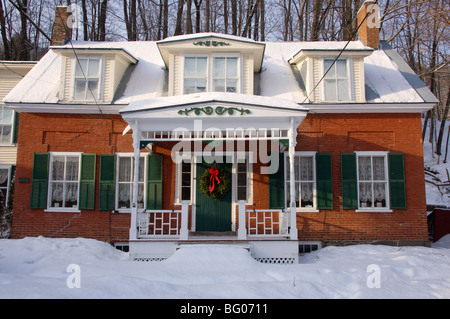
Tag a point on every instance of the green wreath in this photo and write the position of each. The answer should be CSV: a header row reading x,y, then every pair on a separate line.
x,y
220,182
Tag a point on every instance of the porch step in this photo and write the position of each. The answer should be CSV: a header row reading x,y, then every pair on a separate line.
x,y
213,234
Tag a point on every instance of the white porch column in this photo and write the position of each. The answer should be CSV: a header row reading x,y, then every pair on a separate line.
x,y
242,230
184,231
134,204
293,210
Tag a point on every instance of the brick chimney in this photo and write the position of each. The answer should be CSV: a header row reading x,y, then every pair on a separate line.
x,y
62,33
369,31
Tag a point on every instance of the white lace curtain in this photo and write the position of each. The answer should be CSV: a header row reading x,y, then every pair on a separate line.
x,y
304,180
372,181
65,179
126,167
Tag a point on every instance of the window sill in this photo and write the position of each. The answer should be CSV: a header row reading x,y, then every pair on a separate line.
x,y
374,210
62,210
307,210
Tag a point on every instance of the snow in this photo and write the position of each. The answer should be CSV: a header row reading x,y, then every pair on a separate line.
x,y
434,163
38,268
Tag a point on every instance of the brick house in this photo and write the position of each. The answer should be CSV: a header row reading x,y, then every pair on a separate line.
x,y
278,146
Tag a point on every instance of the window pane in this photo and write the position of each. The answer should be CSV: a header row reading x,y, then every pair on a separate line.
x,y
4,174
306,168
57,194
141,169
307,194
124,195
219,85
71,195
124,169
93,88
379,194
343,89
232,86
341,68
81,67
201,67
185,193
189,66
232,67
332,72
364,168
141,195
189,86
219,67
330,90
93,69
365,194
6,115
241,193
80,89
58,168
72,168
378,168
5,134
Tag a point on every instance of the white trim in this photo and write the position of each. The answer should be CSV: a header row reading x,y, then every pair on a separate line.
x,y
178,178
49,195
384,154
116,182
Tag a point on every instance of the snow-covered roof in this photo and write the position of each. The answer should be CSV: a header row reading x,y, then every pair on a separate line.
x,y
385,81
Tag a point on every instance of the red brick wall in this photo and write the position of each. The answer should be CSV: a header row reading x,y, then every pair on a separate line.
x,y
327,133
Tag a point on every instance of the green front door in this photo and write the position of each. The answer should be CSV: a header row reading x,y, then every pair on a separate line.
x,y
213,214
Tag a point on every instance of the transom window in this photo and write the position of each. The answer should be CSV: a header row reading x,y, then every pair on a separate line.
x,y
372,181
304,179
211,74
336,85
124,180
87,78
64,180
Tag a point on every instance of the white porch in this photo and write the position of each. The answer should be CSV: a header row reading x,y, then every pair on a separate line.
x,y
269,234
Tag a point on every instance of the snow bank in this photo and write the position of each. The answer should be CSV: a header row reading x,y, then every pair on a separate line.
x,y
38,268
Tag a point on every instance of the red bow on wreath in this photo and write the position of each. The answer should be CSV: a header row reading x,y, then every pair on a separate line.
x,y
214,172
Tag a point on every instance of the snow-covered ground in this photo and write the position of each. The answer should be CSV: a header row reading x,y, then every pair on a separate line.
x,y
46,268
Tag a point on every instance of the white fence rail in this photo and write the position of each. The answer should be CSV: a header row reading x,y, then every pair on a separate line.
x,y
159,223
267,222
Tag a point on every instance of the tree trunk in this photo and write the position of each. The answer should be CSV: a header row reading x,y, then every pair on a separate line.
x,y
6,48
442,128
315,29
179,24
189,16
24,54
102,20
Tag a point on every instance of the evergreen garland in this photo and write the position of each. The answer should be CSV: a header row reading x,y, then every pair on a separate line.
x,y
220,189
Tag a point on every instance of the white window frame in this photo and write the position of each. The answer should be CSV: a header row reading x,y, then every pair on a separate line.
x,y
349,67
101,68
210,69
49,195
248,156
314,208
386,173
8,185
116,182
178,178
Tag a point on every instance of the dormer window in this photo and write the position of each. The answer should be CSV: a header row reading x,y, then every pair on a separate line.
x,y
337,84
211,73
87,78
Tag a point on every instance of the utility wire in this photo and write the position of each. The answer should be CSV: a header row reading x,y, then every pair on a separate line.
x,y
339,55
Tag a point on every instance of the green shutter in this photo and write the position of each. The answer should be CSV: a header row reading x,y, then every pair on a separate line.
x,y
397,181
39,182
15,134
349,181
154,181
106,194
276,186
87,181
324,181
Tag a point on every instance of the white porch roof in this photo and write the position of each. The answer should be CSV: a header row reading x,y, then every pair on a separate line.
x,y
222,111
